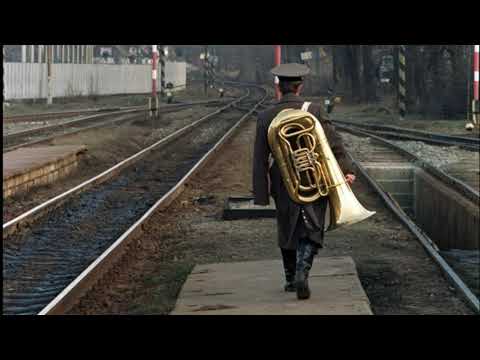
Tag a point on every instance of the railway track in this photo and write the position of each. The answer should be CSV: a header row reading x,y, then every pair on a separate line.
x,y
36,117
55,262
393,132
464,176
43,134
462,273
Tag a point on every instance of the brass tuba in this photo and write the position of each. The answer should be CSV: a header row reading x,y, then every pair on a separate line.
x,y
309,169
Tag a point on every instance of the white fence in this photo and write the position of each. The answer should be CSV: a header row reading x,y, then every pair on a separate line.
x,y
29,81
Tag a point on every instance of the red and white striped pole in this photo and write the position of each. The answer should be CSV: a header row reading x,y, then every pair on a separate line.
x,y
154,70
476,68
278,61
153,102
476,58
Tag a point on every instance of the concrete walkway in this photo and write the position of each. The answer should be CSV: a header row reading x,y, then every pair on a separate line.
x,y
25,168
27,159
256,288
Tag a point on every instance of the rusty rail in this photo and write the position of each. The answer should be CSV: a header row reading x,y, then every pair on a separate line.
x,y
105,262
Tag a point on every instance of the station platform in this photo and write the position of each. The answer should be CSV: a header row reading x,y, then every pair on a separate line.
x,y
256,288
25,168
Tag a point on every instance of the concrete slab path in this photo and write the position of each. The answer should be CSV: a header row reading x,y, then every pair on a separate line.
x,y
23,160
256,288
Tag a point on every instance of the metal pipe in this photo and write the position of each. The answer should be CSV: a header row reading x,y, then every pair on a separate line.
x,y
476,72
278,61
205,69
402,81
49,74
476,68
162,70
24,53
40,49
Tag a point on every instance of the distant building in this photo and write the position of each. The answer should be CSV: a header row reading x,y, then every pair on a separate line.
x,y
126,54
110,54
83,54
67,54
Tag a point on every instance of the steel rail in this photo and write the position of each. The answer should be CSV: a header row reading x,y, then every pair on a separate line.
x,y
410,131
64,301
463,188
66,123
426,242
164,110
106,113
416,135
31,215
69,113
65,134
59,114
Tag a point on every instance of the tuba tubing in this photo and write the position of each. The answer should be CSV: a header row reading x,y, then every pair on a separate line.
x,y
324,172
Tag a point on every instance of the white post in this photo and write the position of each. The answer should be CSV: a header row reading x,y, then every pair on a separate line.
x,y
476,82
3,87
24,53
32,53
49,74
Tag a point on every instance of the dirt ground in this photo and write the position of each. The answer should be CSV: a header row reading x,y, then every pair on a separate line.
x,y
398,276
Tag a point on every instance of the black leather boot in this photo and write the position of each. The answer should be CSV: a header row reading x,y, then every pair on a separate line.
x,y
305,255
289,265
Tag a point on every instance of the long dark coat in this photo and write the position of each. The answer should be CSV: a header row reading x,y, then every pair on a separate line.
x,y
294,220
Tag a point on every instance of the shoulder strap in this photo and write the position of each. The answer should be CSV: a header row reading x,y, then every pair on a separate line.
x,y
306,105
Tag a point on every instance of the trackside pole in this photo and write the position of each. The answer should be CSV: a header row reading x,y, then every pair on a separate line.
x,y
476,68
153,102
278,61
402,80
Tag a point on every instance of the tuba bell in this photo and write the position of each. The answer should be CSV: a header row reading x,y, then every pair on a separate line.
x,y
309,169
